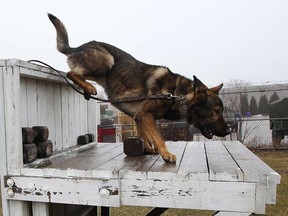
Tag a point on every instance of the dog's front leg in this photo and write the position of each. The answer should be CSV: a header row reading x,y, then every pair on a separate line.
x,y
87,87
148,147
145,122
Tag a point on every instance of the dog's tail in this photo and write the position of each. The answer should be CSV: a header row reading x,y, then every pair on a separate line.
x,y
62,35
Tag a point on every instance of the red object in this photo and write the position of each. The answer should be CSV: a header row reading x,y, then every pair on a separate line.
x,y
106,134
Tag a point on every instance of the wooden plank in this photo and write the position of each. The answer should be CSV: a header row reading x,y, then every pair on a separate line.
x,y
58,117
111,168
40,209
92,117
32,103
253,167
3,150
65,116
164,170
76,123
23,102
13,159
18,208
256,170
36,71
49,167
11,89
189,194
41,103
233,214
90,160
87,159
50,112
194,164
222,166
72,138
67,190
82,113
137,167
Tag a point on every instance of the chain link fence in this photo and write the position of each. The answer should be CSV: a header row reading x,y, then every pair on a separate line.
x,y
261,113
257,116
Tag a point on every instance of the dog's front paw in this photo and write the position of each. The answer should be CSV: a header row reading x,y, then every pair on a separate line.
x,y
90,89
87,96
168,157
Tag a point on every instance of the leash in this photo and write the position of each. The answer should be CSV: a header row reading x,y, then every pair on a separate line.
x,y
168,96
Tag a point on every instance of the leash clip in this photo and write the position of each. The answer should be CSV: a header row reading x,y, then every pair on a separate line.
x,y
171,96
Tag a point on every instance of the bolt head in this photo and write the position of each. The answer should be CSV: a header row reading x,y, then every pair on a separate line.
x,y
45,188
10,192
10,182
31,187
104,193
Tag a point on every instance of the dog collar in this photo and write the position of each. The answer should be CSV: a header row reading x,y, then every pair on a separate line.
x,y
182,106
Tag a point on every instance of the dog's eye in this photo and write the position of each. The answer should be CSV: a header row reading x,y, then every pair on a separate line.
x,y
218,110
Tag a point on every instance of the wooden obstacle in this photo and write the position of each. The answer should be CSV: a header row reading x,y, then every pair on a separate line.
x,y
35,143
220,176
133,146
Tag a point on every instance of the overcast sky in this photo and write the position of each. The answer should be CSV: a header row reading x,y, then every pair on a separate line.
x,y
217,40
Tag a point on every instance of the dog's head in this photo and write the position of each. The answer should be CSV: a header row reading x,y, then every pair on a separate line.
x,y
205,110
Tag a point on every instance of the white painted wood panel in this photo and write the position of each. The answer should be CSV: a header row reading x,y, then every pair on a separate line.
x,y
3,150
50,111
13,134
13,158
32,103
256,170
65,116
233,196
232,214
222,166
71,191
23,102
194,164
58,117
41,103
72,137
40,209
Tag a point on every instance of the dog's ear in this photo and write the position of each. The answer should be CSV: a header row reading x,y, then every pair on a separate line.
x,y
216,89
197,83
199,92
200,89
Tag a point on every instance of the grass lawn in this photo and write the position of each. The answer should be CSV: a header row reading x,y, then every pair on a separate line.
x,y
278,160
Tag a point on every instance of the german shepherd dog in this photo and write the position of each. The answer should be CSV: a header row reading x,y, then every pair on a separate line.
x,y
122,76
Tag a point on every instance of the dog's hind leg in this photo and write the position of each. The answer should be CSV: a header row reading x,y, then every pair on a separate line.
x,y
88,88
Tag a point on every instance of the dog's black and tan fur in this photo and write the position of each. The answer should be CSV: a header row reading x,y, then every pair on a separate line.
x,y
123,76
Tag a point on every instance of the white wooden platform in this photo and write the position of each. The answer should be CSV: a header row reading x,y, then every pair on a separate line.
x,y
221,176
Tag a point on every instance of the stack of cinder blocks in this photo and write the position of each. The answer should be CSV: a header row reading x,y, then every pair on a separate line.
x,y
36,143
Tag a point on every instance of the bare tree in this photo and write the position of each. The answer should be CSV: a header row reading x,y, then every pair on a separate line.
x,y
233,96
